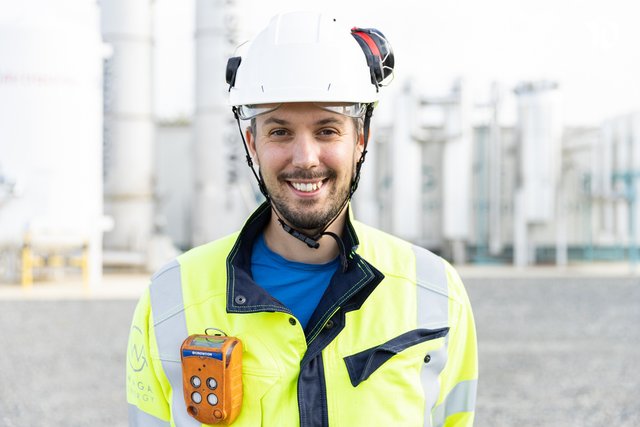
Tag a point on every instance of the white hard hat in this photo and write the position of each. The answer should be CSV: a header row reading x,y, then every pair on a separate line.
x,y
309,57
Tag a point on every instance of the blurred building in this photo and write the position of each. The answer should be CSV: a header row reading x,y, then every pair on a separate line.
x,y
82,155
577,185
537,192
51,207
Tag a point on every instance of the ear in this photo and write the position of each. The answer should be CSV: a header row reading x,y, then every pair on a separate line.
x,y
251,143
360,144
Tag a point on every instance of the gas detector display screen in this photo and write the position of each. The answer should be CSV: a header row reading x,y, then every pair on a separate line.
x,y
207,342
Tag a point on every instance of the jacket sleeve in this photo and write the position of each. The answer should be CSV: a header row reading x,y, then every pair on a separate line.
x,y
459,378
148,406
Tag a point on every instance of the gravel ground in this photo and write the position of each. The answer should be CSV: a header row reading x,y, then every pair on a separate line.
x,y
553,352
558,352
63,363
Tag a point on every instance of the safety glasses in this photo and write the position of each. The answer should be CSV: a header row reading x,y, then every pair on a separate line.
x,y
355,110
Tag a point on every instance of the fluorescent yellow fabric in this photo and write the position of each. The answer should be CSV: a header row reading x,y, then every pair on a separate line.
x,y
393,394
146,384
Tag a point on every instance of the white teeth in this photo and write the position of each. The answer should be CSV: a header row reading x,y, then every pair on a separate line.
x,y
307,187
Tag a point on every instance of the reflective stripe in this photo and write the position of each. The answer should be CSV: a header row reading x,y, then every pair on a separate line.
x,y
432,312
170,328
139,418
462,398
433,290
430,382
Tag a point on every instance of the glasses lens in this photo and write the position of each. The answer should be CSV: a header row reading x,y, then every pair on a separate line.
x,y
248,112
355,110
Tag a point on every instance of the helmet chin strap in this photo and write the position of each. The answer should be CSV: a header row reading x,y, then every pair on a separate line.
x,y
365,130
261,186
312,241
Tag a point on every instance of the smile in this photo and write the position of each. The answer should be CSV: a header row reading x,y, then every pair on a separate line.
x,y
307,187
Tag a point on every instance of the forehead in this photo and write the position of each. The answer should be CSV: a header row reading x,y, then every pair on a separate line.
x,y
301,114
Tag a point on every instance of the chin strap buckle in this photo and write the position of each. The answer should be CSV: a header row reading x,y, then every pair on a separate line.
x,y
300,236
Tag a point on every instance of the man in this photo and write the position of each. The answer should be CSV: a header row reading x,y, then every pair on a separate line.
x,y
341,324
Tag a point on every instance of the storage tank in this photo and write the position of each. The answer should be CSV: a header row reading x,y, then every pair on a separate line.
x,y
456,170
404,155
540,133
129,129
51,121
539,160
223,193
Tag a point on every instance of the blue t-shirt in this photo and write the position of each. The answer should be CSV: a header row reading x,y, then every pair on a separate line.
x,y
297,285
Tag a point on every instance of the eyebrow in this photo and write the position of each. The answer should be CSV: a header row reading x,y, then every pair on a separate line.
x,y
329,120
276,121
281,122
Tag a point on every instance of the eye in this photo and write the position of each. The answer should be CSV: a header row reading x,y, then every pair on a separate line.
x,y
278,132
328,132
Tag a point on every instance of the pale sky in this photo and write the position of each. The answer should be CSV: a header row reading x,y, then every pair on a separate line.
x,y
589,47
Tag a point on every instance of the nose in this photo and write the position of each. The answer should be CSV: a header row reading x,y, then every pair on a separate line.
x,y
306,152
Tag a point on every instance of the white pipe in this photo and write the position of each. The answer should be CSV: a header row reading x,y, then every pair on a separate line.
x,y
220,171
520,232
457,170
366,201
406,164
562,248
606,170
495,175
540,156
635,170
129,126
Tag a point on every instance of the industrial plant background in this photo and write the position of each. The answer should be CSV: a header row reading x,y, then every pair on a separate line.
x,y
508,142
480,170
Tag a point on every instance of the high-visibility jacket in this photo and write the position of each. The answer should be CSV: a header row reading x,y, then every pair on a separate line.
x,y
391,343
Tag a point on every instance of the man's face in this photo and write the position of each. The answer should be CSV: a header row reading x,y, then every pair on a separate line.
x,y
307,158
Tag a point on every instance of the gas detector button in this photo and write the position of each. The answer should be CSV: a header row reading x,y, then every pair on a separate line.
x,y
196,397
212,383
212,399
196,381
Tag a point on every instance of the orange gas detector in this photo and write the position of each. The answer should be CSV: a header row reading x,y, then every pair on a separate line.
x,y
212,377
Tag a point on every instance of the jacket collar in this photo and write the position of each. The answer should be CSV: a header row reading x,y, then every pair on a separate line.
x,y
246,296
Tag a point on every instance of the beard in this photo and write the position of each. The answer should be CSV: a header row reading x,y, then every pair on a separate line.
x,y
312,216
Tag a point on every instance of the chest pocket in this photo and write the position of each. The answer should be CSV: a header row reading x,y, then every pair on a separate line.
x,y
260,373
383,385
362,365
